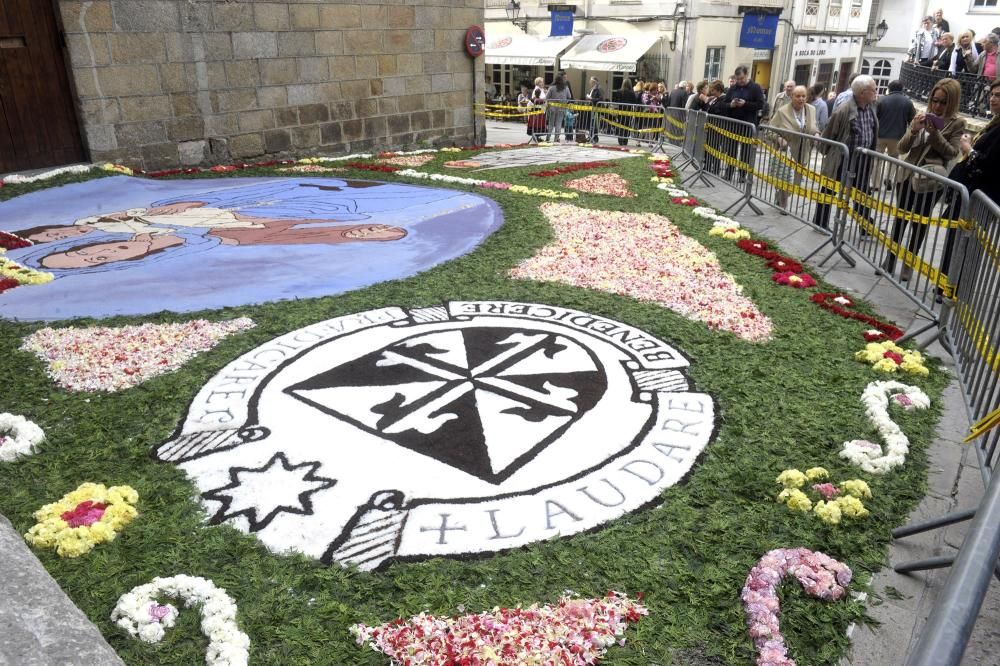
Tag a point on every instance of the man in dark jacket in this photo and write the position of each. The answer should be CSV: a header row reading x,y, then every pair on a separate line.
x,y
894,113
744,99
678,96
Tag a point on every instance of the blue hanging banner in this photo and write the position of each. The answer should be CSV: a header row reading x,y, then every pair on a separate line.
x,y
562,23
758,31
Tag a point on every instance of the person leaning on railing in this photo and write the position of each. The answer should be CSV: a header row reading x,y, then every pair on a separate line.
x,y
932,148
977,171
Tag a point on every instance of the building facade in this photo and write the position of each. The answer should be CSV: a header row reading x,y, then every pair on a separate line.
x,y
162,83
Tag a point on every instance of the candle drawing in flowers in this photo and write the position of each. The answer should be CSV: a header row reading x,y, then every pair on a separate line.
x,y
643,256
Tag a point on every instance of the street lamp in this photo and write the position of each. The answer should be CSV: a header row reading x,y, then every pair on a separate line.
x,y
513,10
876,33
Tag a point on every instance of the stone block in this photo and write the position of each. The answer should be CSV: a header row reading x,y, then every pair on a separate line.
x,y
271,16
447,39
365,145
435,63
462,117
41,625
176,77
192,153
359,42
417,84
222,124
440,118
196,16
377,87
186,128
398,124
146,15
313,113
313,70
340,17
420,120
394,86
140,134
364,108
432,17
234,100
89,17
454,99
342,68
296,44
277,141
101,111
272,97
306,93
442,82
355,89
155,107
373,16
305,136
462,18
397,41
211,75
230,16
365,67
278,71
286,117
218,150
88,50
409,103
329,42
180,47
216,46
423,41
341,110
330,133
410,63
388,106
242,73
401,17
353,130
100,137
459,62
246,145
119,80
376,127
304,17
255,45
184,104
159,156
385,65
250,121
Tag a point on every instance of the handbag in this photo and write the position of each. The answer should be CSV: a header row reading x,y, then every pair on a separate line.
x,y
921,183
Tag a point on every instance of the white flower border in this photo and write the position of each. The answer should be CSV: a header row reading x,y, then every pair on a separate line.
x,y
442,177
872,457
673,191
18,179
22,437
228,646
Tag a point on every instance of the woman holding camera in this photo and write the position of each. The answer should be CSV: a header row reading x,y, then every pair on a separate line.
x,y
931,142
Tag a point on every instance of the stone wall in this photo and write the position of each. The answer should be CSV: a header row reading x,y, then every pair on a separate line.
x,y
162,83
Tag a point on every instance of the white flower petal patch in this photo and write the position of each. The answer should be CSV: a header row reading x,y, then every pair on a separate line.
x,y
469,427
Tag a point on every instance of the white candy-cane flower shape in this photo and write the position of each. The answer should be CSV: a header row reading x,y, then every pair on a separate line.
x,y
18,437
710,214
881,459
140,614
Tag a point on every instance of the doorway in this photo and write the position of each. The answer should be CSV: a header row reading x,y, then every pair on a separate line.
x,y
38,124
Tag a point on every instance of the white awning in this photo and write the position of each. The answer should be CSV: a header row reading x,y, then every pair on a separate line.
x,y
608,53
526,50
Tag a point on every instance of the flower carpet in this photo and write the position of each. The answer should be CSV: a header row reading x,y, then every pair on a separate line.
x,y
615,429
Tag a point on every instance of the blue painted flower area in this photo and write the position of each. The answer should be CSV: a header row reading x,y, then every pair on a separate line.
x,y
128,246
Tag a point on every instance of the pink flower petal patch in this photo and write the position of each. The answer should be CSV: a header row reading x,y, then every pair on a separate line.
x,y
112,359
646,257
602,183
577,631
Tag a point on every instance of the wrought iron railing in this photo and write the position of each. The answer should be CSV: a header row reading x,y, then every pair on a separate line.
x,y
918,81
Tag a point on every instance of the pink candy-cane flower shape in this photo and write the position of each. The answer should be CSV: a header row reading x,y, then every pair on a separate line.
x,y
820,575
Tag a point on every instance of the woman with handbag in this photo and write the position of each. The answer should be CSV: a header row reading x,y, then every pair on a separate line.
x,y
931,142
973,171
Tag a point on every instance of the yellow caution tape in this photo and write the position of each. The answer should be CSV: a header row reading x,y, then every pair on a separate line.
x,y
824,181
730,135
980,338
892,211
632,129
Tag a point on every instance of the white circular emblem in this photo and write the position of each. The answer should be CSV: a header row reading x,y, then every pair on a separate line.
x,y
465,428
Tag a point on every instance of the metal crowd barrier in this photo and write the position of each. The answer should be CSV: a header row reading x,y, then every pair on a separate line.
x,y
898,219
694,146
788,175
532,116
973,332
728,149
641,123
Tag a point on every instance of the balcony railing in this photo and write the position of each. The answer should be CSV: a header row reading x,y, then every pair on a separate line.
x,y
918,81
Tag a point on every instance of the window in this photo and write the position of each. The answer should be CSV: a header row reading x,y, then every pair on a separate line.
x,y
713,62
984,3
881,71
